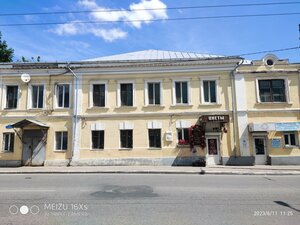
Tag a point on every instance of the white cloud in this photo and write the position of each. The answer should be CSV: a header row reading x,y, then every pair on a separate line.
x,y
137,15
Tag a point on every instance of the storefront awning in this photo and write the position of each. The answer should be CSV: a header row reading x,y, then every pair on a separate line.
x,y
26,122
264,127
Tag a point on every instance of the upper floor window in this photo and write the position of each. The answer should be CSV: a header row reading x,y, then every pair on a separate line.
x,y
37,96
63,95
210,91
61,139
272,90
11,96
99,95
8,142
126,94
154,94
181,92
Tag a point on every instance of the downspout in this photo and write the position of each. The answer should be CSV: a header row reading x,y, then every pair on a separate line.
x,y
233,94
75,114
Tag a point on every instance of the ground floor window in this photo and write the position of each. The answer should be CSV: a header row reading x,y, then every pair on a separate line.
x,y
183,136
154,138
61,139
290,139
8,142
98,139
126,138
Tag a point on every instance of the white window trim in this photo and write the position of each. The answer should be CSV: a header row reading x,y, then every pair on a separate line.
x,y
211,78
3,141
296,139
4,93
92,83
154,125
188,80
70,96
60,150
119,92
146,92
29,95
182,133
287,90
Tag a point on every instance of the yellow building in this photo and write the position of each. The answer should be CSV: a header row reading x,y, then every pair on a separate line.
x,y
268,111
142,108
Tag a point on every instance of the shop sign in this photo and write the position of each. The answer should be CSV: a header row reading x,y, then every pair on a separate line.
x,y
293,126
276,143
215,118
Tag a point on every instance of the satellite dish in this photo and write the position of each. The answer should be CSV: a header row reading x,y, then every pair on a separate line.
x,y
25,77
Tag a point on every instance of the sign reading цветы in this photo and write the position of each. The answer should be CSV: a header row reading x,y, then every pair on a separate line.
x,y
215,118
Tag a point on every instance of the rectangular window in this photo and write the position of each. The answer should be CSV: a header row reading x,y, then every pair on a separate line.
x,y
11,96
37,96
99,95
272,90
126,91
290,139
98,139
183,135
63,95
181,92
8,142
154,93
61,140
154,138
209,91
126,138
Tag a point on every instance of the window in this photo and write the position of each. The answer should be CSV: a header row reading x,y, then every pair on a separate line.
x,y
154,93
126,91
63,95
98,139
61,140
11,96
290,139
126,138
99,95
8,142
154,138
181,92
209,91
272,90
183,135
37,96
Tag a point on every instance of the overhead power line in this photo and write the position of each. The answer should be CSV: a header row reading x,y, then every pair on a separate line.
x,y
268,51
150,20
152,9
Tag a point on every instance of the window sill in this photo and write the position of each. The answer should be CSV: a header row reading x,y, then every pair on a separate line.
x,y
125,149
154,106
274,103
126,107
291,146
153,148
6,152
98,108
210,104
96,150
61,151
182,105
182,146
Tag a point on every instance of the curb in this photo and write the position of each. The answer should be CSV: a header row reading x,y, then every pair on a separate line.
x,y
202,172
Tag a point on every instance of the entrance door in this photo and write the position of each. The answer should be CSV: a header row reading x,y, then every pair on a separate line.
x,y
260,151
213,152
33,148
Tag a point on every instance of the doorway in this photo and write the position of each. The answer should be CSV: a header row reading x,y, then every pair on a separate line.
x,y
33,148
260,150
212,151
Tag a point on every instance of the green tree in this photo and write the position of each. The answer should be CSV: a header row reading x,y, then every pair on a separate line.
x,y
6,54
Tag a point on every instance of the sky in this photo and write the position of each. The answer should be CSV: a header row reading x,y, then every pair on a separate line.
x,y
74,42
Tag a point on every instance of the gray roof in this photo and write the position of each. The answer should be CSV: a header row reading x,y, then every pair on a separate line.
x,y
155,55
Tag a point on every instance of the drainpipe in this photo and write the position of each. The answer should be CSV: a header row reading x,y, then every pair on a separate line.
x,y
233,94
75,114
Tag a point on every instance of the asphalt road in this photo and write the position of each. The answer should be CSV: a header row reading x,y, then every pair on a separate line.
x,y
149,199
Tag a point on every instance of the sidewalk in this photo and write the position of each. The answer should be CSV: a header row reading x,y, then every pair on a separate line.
x,y
219,170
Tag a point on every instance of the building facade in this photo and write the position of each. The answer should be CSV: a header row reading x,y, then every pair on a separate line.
x,y
147,108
